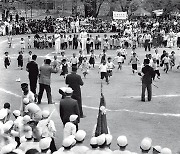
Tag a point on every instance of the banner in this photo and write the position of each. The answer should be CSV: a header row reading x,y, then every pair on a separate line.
x,y
120,15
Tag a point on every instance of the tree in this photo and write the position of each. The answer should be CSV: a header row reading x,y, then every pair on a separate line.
x,y
92,7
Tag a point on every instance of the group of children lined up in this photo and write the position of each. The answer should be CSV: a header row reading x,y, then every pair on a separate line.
x,y
20,59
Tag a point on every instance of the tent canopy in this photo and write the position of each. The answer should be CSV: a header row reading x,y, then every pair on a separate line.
x,y
141,12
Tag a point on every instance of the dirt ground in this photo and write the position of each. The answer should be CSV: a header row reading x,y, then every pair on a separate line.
x,y
126,114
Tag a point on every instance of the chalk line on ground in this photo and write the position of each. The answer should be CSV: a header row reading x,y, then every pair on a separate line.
x,y
118,110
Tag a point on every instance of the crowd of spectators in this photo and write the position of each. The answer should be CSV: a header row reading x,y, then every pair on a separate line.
x,y
91,25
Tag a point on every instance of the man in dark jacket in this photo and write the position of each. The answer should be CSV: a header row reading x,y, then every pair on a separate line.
x,y
148,73
74,81
32,68
68,106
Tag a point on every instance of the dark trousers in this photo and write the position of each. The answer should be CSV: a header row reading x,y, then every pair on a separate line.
x,y
104,75
33,84
147,45
78,98
48,92
149,91
75,45
156,72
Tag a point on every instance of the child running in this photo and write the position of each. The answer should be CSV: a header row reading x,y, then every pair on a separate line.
x,y
155,66
120,60
7,60
103,70
20,60
64,68
172,60
92,58
85,67
80,59
110,67
134,61
166,60
22,43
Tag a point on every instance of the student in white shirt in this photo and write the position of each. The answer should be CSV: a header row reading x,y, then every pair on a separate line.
x,y
120,60
166,60
103,70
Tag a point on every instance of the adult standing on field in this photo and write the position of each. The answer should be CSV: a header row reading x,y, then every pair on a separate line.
x,y
32,68
45,80
74,81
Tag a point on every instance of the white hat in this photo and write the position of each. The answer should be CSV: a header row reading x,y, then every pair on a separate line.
x,y
72,137
28,134
67,142
7,148
108,139
25,100
44,143
27,128
73,117
68,90
122,141
23,139
63,89
80,135
14,133
33,107
3,113
45,113
157,148
18,151
16,113
166,151
26,118
146,143
8,125
101,139
93,141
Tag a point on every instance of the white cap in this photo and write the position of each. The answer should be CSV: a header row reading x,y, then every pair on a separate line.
x,y
108,139
27,128
25,100
73,117
80,135
8,125
28,134
101,139
146,143
26,118
93,141
166,151
122,141
23,139
33,107
18,151
67,142
14,133
44,143
72,137
3,113
16,113
63,89
68,90
45,113
7,148
157,148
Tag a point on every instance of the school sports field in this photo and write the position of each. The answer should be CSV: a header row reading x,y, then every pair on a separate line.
x,y
126,115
